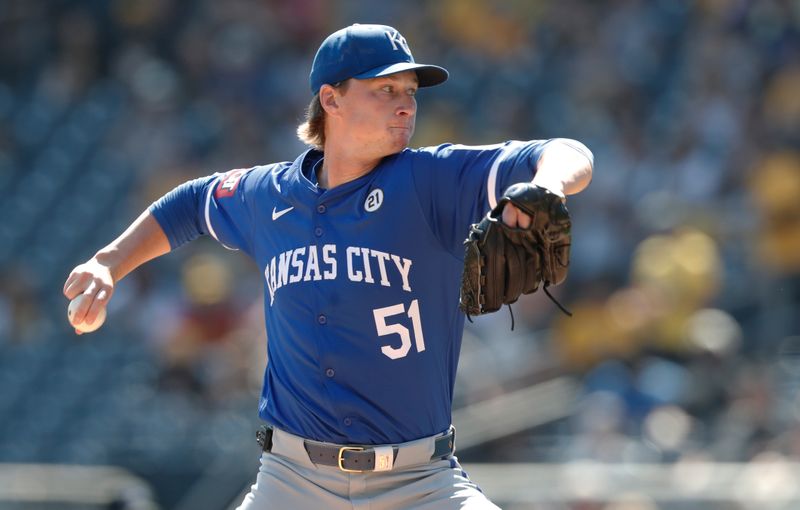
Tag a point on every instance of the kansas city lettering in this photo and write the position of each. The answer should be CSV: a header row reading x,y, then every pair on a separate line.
x,y
314,263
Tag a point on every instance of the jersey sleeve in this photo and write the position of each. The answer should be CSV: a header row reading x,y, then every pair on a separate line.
x,y
217,205
458,184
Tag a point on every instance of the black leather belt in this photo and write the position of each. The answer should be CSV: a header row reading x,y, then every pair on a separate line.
x,y
356,458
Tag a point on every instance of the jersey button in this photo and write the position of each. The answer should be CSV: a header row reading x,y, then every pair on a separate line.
x,y
321,208
318,231
330,372
322,319
348,422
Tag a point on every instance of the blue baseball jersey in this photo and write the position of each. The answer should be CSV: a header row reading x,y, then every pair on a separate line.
x,y
361,281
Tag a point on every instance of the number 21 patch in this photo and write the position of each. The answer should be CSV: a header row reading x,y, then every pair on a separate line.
x,y
374,200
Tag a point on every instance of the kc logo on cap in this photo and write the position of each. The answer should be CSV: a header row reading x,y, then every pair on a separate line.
x,y
397,39
368,51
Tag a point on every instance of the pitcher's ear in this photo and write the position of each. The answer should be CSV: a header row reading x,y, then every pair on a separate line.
x,y
328,98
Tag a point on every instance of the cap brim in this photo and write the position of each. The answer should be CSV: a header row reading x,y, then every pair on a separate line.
x,y
428,75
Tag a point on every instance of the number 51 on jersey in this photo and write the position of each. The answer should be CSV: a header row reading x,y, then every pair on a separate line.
x,y
396,328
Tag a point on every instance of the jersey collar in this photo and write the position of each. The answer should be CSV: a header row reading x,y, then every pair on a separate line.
x,y
303,169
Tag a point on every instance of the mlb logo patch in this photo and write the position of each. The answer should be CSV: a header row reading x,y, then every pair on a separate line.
x,y
228,183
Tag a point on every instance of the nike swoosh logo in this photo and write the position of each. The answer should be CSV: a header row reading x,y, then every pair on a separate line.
x,y
277,214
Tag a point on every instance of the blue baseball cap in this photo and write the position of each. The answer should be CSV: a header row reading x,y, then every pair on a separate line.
x,y
368,51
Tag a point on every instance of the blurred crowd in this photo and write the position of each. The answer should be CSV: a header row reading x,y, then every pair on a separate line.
x,y
685,276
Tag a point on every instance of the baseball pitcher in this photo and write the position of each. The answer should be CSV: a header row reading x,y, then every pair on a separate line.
x,y
361,244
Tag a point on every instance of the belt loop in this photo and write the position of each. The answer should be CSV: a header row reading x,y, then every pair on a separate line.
x,y
264,438
445,445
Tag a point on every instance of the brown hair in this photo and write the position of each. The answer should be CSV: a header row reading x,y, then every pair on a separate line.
x,y
312,131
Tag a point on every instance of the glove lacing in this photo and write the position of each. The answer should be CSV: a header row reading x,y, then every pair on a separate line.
x,y
554,300
559,305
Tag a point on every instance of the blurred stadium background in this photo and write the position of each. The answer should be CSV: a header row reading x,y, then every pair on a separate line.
x,y
675,386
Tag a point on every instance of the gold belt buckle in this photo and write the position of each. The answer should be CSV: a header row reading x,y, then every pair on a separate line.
x,y
352,449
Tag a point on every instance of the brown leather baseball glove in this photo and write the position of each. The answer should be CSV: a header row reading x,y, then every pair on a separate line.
x,y
502,262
